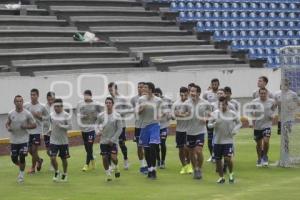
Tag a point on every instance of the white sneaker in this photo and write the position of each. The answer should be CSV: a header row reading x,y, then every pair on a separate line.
x,y
209,160
126,164
20,178
56,177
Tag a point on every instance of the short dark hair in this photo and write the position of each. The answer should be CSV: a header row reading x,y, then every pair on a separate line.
x,y
151,86
112,84
159,91
110,99
260,89
197,88
227,89
17,96
191,84
223,99
215,80
264,78
58,101
183,90
34,90
87,92
50,94
141,83
221,89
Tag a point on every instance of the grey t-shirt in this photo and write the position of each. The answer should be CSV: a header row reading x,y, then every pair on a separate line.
x,y
123,107
235,104
47,121
291,104
264,118
17,134
110,126
215,106
151,113
134,102
181,107
40,109
210,96
87,113
166,112
199,113
60,124
225,124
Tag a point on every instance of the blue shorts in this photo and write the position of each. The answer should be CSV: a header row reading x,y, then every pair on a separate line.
x,y
222,150
19,149
34,139
88,137
195,140
47,141
164,133
150,135
137,133
260,134
106,149
122,137
61,150
180,139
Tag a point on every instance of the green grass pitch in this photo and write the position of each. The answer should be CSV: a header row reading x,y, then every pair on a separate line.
x,y
251,183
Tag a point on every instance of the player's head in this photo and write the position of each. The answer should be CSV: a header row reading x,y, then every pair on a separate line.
x,y
195,92
149,88
223,104
109,103
285,84
34,94
50,97
221,93
263,94
158,92
184,93
58,105
140,88
112,88
190,85
87,95
262,81
214,84
227,91
18,101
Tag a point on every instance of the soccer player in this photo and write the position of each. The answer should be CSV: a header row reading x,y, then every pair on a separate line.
x,y
59,143
149,107
122,107
140,151
39,113
87,112
211,96
226,124
46,124
19,120
164,127
109,127
180,113
199,110
262,82
263,113
235,103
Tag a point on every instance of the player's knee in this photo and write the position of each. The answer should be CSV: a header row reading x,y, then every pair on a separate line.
x,y
22,159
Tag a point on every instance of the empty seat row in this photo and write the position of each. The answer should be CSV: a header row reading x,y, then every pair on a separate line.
x,y
186,5
259,43
259,53
190,15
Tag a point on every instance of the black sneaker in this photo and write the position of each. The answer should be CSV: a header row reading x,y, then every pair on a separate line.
x,y
162,165
154,175
149,174
221,181
197,174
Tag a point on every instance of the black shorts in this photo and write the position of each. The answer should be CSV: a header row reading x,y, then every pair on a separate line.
x,y
195,140
106,149
222,150
62,150
88,137
34,139
137,133
180,139
164,133
260,134
47,141
122,137
19,149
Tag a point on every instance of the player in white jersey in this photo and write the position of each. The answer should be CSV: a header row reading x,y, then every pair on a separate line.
x,y
137,131
109,127
211,96
164,128
226,124
39,113
199,110
87,112
47,123
123,107
180,112
262,82
236,105
59,142
18,122
263,113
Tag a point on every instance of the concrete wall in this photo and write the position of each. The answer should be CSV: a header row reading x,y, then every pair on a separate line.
x,y
242,81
